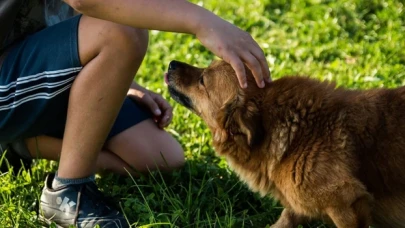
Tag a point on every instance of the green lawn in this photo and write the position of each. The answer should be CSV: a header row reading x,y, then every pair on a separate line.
x,y
357,43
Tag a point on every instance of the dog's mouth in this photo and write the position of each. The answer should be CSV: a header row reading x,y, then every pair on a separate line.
x,y
181,98
178,96
166,78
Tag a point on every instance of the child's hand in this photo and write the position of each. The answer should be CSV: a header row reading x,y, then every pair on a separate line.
x,y
161,109
235,47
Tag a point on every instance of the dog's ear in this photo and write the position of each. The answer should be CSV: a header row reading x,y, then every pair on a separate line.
x,y
240,117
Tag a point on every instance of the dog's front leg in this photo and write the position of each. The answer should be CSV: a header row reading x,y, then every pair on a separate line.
x,y
357,215
289,219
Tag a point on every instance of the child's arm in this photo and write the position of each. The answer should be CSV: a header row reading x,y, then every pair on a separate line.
x,y
222,38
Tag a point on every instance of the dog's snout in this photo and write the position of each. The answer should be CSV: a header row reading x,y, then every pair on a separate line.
x,y
173,65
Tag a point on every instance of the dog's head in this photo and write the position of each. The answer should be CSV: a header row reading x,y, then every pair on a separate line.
x,y
214,94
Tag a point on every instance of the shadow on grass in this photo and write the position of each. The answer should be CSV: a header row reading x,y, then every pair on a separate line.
x,y
199,195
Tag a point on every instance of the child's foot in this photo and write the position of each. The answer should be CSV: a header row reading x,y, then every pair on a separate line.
x,y
82,205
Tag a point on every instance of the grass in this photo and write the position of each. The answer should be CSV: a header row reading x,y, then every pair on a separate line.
x,y
356,43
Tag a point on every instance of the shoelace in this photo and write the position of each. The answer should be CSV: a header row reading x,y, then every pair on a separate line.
x,y
97,197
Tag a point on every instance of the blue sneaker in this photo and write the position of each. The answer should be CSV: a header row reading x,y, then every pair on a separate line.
x,y
82,205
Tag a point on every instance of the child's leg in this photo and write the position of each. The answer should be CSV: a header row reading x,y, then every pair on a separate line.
x,y
145,146
142,147
111,55
134,141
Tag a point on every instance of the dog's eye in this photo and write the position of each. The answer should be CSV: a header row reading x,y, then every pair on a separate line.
x,y
202,80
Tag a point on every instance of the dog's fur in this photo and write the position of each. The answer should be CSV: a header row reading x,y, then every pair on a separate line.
x,y
324,152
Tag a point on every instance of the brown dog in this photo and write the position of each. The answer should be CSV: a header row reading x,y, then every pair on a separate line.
x,y
324,152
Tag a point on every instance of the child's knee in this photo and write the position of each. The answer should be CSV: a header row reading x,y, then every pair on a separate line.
x,y
168,155
122,42
174,157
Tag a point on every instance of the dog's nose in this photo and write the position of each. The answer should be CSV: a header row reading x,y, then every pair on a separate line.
x,y
172,65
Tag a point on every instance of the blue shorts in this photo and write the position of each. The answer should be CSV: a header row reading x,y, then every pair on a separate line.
x,y
35,81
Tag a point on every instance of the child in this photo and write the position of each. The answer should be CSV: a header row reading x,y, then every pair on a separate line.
x,y
73,80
